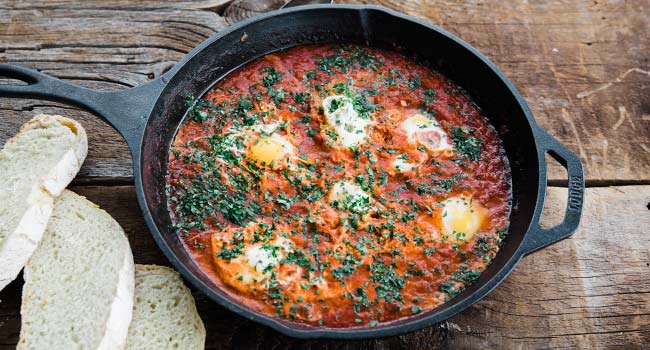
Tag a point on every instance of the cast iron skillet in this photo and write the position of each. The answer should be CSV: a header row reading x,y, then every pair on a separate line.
x,y
148,117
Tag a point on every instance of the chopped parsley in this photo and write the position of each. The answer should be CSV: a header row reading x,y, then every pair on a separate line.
x,y
388,283
231,253
414,83
449,288
345,59
323,219
466,144
348,265
272,77
301,97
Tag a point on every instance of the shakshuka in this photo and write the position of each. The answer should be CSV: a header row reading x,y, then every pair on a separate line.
x,y
339,186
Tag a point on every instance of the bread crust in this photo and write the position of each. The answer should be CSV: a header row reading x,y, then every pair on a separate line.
x,y
22,239
75,217
144,328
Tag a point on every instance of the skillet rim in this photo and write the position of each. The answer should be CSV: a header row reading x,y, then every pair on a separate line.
x,y
396,327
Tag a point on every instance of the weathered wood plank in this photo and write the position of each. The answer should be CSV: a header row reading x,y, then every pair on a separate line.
x,y
143,5
589,291
239,10
582,65
101,49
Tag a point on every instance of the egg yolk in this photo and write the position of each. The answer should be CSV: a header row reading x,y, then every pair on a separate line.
x,y
462,218
266,151
420,121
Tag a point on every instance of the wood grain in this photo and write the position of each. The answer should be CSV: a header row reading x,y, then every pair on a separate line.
x,y
142,5
582,65
589,291
239,10
104,49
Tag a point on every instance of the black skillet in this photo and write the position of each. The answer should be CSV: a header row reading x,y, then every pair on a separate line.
x,y
148,117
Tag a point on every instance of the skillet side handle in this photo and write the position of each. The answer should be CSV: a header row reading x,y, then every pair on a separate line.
x,y
125,110
541,237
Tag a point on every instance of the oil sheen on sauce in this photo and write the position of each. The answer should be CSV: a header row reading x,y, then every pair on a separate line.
x,y
339,186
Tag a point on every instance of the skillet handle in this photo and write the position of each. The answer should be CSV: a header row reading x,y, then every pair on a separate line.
x,y
539,237
126,110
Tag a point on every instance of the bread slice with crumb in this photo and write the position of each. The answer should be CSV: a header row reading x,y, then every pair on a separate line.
x,y
164,314
79,283
35,166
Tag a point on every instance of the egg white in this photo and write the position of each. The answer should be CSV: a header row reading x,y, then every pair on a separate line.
x,y
263,258
341,117
402,165
257,261
349,196
421,130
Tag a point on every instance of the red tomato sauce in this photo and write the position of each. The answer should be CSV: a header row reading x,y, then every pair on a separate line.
x,y
339,186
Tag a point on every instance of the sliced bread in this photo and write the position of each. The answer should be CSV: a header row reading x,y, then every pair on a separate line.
x,y
164,314
79,283
35,166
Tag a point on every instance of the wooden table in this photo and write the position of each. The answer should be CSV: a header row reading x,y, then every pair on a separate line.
x,y
582,65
